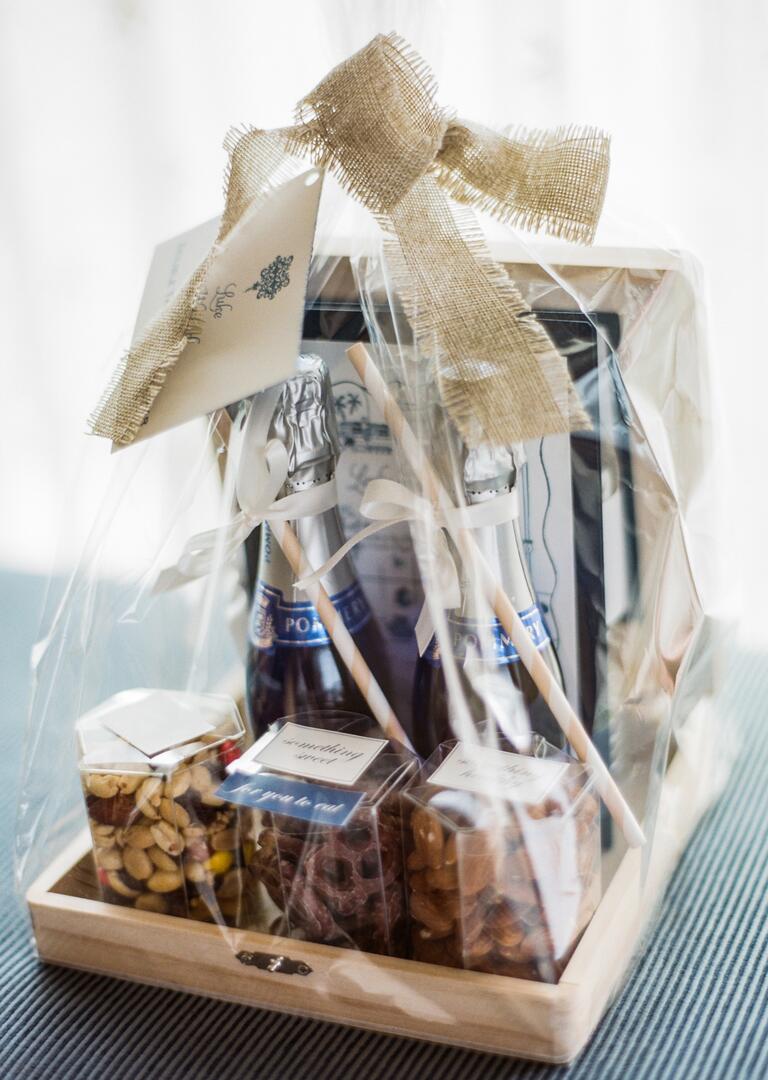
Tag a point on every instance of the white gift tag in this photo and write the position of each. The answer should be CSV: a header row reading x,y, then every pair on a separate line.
x,y
250,309
483,770
337,757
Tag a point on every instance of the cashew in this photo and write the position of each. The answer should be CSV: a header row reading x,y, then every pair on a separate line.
x,y
102,785
126,785
163,881
138,863
108,859
100,839
117,884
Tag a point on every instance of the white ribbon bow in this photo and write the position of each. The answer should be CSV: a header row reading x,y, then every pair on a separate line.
x,y
387,503
262,472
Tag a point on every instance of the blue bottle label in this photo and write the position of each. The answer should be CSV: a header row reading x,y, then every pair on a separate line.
x,y
277,621
465,635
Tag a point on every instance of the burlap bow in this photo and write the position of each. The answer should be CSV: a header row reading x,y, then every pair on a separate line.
x,y
374,123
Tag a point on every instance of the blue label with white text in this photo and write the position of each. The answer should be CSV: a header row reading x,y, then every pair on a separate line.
x,y
277,621
284,795
466,636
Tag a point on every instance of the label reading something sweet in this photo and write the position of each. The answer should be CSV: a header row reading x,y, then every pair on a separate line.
x,y
335,757
483,770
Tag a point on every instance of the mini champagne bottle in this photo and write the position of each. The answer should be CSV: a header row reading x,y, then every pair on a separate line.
x,y
292,664
479,642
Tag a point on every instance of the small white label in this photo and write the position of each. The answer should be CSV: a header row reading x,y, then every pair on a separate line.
x,y
320,755
159,722
486,771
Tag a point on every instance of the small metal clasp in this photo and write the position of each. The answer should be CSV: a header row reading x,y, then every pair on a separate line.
x,y
283,965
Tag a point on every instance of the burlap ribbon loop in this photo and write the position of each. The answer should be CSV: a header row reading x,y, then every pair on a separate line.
x,y
374,123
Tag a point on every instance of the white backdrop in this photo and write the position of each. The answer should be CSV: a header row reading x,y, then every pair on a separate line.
x,y
112,116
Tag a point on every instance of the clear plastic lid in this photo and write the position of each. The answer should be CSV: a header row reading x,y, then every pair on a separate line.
x,y
153,731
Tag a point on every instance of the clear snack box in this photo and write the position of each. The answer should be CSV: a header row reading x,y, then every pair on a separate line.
x,y
324,791
503,858
163,841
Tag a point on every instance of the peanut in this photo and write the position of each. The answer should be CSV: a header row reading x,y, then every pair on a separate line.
x,y
174,813
166,838
139,836
148,797
151,902
137,863
178,784
200,778
161,860
164,881
209,799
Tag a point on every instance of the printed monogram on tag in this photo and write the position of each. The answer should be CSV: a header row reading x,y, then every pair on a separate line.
x,y
272,279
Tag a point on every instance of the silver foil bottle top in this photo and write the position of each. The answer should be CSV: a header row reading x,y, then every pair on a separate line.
x,y
305,422
488,471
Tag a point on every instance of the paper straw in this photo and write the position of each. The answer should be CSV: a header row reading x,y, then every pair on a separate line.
x,y
339,635
548,686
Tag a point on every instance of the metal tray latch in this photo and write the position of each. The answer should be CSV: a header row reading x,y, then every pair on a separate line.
x,y
283,965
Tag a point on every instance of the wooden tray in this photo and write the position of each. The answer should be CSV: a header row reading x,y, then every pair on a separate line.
x,y
483,1012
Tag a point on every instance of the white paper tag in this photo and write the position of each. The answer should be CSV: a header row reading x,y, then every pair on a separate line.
x,y
336,757
250,309
156,725
486,771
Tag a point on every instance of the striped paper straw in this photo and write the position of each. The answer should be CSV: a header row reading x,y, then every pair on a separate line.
x,y
572,727
339,635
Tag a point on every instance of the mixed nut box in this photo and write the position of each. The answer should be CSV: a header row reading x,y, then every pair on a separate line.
x,y
324,831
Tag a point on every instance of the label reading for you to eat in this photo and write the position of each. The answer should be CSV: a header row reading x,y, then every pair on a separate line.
x,y
294,798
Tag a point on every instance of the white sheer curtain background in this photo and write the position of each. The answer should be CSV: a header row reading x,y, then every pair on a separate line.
x,y
111,122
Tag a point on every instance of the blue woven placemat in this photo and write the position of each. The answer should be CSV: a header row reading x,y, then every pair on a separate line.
x,y
695,1006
